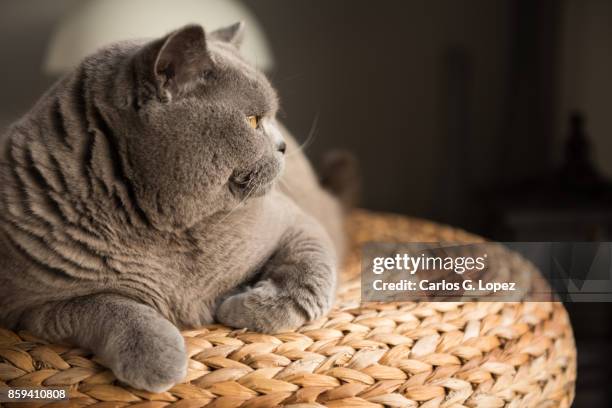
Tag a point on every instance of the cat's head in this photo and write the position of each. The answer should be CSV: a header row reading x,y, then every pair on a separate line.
x,y
196,124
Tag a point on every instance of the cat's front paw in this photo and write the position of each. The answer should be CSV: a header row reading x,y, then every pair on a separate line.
x,y
265,308
152,360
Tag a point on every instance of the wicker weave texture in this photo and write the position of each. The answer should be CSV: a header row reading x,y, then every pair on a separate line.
x,y
371,355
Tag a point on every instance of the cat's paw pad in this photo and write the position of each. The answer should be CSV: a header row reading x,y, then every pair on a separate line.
x,y
152,362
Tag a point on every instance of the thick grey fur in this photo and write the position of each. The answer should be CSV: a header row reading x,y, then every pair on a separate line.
x,y
136,200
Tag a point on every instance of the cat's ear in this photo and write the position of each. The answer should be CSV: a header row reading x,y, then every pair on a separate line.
x,y
177,61
182,59
233,34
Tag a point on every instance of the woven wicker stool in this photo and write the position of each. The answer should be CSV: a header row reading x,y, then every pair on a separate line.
x,y
373,355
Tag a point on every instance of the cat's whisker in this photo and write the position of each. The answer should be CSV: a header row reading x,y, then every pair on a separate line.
x,y
285,185
288,78
237,205
309,139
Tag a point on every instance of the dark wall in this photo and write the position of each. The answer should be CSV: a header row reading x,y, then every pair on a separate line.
x,y
416,89
422,92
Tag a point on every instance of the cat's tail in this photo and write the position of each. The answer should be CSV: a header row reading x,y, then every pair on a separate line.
x,y
340,175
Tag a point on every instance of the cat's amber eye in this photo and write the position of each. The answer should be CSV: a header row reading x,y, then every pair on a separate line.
x,y
253,121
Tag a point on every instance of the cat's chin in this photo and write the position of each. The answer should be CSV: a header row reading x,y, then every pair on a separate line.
x,y
252,191
262,190
251,184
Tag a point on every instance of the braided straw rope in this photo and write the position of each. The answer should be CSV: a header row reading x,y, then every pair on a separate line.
x,y
436,354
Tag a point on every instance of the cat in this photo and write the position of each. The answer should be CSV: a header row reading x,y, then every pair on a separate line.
x,y
144,193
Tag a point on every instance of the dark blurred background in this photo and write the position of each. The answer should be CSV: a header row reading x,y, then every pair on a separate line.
x,y
491,115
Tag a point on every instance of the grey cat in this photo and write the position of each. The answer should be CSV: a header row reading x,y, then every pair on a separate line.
x,y
139,196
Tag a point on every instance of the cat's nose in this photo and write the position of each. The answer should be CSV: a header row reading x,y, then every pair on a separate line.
x,y
282,147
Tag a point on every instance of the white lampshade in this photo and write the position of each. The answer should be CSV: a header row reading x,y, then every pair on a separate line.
x,y
91,24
